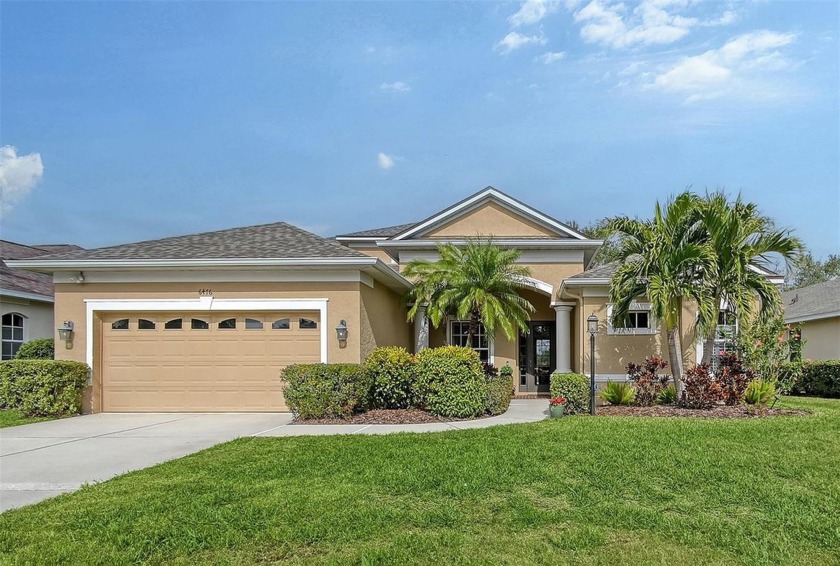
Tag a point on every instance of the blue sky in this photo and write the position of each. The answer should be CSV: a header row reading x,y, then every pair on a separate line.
x,y
130,121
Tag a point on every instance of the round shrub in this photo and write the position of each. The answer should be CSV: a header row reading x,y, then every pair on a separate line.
x,y
499,390
575,388
392,371
450,382
40,388
38,349
325,390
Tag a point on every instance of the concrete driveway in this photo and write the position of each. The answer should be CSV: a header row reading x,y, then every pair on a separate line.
x,y
41,460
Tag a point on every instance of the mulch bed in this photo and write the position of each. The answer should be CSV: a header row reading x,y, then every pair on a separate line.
x,y
718,412
381,416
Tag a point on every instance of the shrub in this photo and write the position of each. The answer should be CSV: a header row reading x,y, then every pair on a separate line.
x,y
764,346
499,390
326,390
618,393
733,378
700,389
392,371
759,392
821,378
38,349
40,388
790,378
575,388
648,384
668,396
450,382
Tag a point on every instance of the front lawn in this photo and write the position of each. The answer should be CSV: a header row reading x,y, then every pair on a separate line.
x,y
9,417
575,490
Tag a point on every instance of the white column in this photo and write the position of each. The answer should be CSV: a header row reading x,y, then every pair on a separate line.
x,y
421,330
563,347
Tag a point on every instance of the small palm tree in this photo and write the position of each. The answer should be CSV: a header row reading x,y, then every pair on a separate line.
x,y
480,283
662,259
741,239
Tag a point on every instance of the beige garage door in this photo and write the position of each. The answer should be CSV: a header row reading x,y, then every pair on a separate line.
x,y
202,362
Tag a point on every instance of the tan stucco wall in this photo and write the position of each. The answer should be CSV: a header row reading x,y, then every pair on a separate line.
x,y
343,303
490,220
39,321
822,339
376,252
383,319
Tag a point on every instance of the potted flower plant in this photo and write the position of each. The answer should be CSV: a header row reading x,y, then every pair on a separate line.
x,y
556,407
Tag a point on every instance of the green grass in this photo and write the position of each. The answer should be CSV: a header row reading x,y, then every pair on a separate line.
x,y
577,490
14,418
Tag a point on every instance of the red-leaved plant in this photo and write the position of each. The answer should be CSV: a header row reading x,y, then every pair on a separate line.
x,y
733,378
647,382
557,401
700,388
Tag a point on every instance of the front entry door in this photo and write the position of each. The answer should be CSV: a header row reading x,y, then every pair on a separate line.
x,y
536,356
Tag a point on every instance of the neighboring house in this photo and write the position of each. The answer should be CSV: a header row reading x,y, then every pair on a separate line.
x,y
205,322
816,310
26,298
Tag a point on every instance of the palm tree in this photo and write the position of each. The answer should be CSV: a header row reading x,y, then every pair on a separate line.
x,y
662,259
479,283
741,240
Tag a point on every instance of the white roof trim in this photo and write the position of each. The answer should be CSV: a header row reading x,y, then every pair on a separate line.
x,y
59,264
540,286
488,193
592,281
517,243
809,317
30,296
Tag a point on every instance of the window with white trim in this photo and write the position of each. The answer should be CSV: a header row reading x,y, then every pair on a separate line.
x,y
12,334
727,329
640,321
459,336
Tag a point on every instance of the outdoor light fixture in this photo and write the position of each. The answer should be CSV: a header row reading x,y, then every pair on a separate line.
x,y
341,332
65,331
592,327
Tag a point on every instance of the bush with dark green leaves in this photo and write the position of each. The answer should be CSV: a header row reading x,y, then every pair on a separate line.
x,y
326,390
820,378
450,382
575,388
393,372
499,389
38,349
40,388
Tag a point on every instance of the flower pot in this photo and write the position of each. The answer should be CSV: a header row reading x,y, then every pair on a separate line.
x,y
556,411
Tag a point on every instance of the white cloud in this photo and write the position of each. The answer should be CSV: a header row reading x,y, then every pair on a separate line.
x,y
384,161
397,86
717,72
552,57
19,174
515,40
532,11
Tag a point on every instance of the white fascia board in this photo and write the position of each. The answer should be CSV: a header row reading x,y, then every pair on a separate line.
x,y
810,317
79,264
358,238
592,281
391,277
29,296
505,242
465,205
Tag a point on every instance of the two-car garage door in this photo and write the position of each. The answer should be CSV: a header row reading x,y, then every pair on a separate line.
x,y
163,361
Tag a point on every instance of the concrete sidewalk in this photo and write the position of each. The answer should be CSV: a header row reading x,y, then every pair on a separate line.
x,y
41,460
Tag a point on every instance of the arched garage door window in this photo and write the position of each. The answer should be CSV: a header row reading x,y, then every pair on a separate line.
x,y
12,334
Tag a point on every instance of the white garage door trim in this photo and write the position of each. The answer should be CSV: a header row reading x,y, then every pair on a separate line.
x,y
203,304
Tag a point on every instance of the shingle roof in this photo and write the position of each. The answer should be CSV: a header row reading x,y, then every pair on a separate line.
x,y
385,232
268,241
20,280
601,272
811,301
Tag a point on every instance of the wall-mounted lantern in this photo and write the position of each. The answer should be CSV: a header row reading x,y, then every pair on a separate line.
x,y
65,332
592,328
341,333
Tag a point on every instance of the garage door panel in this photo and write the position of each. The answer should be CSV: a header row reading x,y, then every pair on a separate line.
x,y
213,369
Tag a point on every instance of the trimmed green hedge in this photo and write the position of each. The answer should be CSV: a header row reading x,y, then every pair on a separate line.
x,y
820,378
40,388
499,390
393,372
450,382
326,390
575,388
38,349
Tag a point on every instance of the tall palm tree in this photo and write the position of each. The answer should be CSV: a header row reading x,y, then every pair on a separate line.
x,y
741,240
479,283
662,259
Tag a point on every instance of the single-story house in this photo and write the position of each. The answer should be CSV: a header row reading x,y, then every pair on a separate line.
x,y
816,310
205,322
26,298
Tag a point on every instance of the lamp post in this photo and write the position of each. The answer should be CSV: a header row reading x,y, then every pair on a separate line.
x,y
592,327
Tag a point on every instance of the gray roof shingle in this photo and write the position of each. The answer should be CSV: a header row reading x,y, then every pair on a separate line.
x,y
267,241
20,280
601,272
822,298
386,232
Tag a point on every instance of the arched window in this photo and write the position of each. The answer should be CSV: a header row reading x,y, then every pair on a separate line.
x,y
198,324
12,334
144,324
121,324
227,324
282,324
174,324
253,324
307,323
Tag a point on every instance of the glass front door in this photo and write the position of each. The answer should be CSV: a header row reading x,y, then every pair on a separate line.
x,y
536,357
